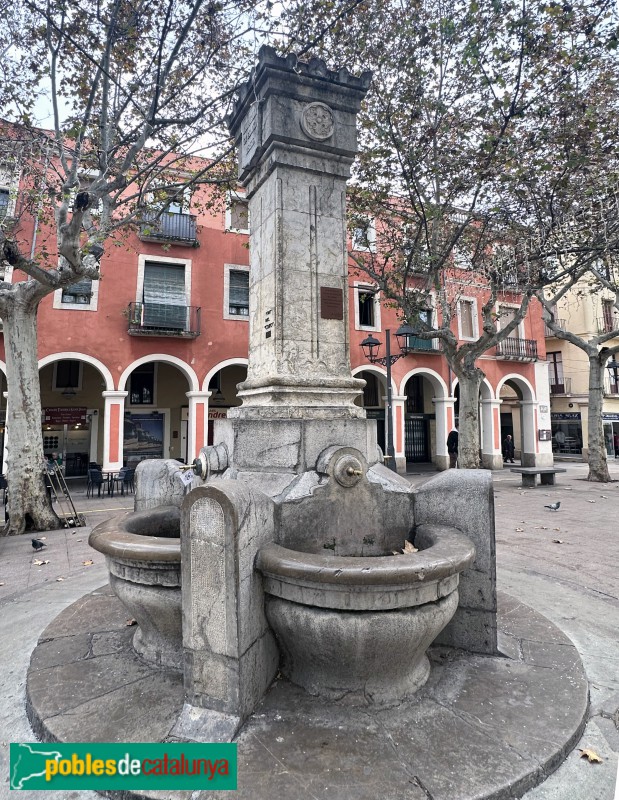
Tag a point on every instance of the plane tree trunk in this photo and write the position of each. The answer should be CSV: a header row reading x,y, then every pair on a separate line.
x,y
469,381
598,463
29,504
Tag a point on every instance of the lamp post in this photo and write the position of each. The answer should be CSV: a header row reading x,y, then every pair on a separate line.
x,y
371,349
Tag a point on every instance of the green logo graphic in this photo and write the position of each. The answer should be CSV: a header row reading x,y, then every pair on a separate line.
x,y
123,766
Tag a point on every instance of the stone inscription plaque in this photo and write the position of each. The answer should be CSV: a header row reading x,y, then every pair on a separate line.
x,y
250,136
331,303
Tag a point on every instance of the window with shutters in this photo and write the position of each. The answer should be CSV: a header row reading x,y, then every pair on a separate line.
x,y
467,318
164,297
80,296
506,315
80,292
367,308
236,291
237,213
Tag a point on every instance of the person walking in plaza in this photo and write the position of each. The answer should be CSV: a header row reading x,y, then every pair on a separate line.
x,y
508,449
452,447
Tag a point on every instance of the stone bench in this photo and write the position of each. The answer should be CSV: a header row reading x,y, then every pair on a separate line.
x,y
546,475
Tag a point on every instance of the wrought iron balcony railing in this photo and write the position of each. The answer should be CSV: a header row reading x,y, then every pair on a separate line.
x,y
548,333
164,319
517,349
565,387
169,227
414,344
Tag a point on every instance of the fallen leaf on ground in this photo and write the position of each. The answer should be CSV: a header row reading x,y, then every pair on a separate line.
x,y
131,622
558,541
1,584
590,501
590,755
40,563
88,563
409,548
59,579
556,529
519,530
604,496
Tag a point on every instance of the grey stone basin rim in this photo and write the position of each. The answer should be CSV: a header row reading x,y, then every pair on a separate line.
x,y
117,537
445,552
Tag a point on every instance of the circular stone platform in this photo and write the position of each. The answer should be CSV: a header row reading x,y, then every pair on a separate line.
x,y
482,727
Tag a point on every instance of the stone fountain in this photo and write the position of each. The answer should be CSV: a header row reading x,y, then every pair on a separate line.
x,y
291,533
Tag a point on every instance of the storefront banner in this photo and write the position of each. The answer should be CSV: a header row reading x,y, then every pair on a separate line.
x,y
64,416
558,415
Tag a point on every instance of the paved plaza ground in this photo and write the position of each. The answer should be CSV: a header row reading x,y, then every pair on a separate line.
x,y
563,564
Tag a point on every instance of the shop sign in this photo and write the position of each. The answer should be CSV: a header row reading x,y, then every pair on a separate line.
x,y
64,416
611,416
217,413
559,415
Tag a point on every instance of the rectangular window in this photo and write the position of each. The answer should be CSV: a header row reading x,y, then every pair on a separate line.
x,y
4,203
364,237
79,293
366,300
507,314
608,316
237,213
467,319
67,374
164,298
238,293
555,372
142,385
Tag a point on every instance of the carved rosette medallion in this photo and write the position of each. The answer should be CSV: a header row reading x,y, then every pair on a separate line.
x,y
317,121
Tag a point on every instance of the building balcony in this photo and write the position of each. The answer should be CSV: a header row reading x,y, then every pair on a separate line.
x,y
164,319
608,325
414,344
548,333
169,227
565,387
512,349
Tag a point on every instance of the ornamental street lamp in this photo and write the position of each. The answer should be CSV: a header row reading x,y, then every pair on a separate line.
x,y
371,349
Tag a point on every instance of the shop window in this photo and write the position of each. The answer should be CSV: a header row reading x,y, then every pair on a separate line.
x,y
142,385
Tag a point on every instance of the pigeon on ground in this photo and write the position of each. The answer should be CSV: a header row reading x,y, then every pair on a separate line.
x,y
38,544
554,506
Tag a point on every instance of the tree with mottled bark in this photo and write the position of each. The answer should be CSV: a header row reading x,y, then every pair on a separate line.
x,y
471,101
590,283
136,90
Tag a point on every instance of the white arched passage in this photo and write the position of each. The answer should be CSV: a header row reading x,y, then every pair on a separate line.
x,y
518,395
73,416
424,437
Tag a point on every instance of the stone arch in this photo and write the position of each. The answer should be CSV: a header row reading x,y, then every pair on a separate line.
x,y
188,372
379,372
521,382
229,362
438,383
519,416
485,389
71,356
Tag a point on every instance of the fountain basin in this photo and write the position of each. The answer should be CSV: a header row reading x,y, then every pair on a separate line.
x,y
359,627
143,555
